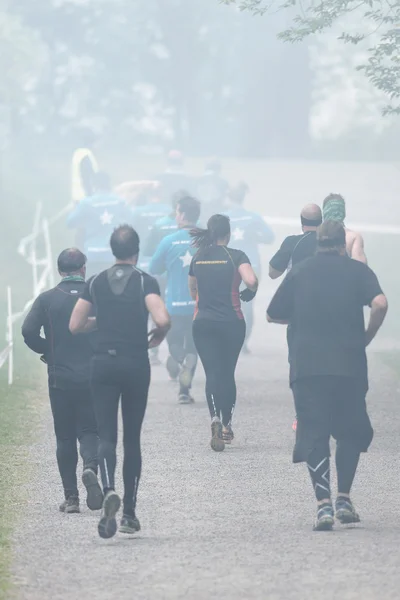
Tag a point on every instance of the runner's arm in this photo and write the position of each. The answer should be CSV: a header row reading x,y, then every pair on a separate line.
x,y
357,251
281,306
193,287
159,314
280,261
264,233
248,276
32,326
379,307
81,321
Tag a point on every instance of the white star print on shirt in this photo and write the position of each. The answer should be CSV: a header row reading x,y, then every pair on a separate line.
x,y
106,218
238,234
186,259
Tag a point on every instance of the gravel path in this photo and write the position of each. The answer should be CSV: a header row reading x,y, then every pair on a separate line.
x,y
235,524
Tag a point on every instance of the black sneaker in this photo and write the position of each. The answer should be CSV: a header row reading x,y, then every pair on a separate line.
x,y
186,374
129,525
325,518
94,498
70,505
184,399
345,512
227,434
107,526
173,368
217,443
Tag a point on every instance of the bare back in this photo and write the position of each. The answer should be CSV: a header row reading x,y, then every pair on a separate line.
x,y
355,246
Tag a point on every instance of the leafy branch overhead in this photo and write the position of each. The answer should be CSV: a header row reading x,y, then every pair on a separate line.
x,y
377,28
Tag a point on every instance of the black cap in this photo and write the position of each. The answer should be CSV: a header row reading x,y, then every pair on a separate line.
x,y
71,260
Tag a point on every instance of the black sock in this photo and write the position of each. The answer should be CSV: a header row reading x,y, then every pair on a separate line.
x,y
319,469
347,458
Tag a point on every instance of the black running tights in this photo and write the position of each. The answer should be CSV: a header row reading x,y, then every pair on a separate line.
x,y
219,344
113,378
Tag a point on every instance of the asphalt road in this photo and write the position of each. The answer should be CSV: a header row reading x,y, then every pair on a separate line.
x,y
236,524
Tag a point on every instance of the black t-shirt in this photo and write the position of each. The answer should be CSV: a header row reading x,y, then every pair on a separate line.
x,y
67,356
218,282
293,250
118,295
323,300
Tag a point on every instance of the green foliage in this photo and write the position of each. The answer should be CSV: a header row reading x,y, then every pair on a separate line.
x,y
379,21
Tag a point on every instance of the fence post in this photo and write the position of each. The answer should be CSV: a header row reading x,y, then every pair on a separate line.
x,y
49,255
33,257
10,337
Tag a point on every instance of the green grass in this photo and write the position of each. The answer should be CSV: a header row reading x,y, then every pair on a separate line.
x,y
19,416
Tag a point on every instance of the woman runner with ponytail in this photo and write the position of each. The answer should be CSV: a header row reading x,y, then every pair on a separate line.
x,y
215,275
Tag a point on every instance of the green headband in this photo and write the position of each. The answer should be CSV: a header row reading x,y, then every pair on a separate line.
x,y
334,210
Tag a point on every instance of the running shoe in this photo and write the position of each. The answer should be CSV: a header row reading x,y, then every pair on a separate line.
x,y
325,518
184,399
345,512
70,505
172,368
186,374
107,526
227,434
217,443
94,498
129,525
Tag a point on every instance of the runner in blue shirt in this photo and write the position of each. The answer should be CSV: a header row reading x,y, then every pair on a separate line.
x,y
248,231
173,256
97,216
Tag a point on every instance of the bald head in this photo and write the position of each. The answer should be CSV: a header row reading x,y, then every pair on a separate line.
x,y
311,217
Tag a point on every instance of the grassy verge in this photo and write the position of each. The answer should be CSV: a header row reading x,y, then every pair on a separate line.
x,y
17,425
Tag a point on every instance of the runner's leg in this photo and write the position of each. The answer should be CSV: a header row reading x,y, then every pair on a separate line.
x,y
233,335
206,339
313,400
106,391
64,417
133,401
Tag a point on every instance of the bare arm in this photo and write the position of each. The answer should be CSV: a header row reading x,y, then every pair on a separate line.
x,y
379,307
158,311
248,276
273,273
357,250
80,322
193,287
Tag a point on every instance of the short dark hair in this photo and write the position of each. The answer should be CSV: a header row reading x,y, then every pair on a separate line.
x,y
71,260
124,242
190,207
331,235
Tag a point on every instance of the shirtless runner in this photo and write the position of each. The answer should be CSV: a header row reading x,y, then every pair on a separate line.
x,y
334,209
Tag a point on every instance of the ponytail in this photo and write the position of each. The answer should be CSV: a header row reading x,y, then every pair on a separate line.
x,y
201,237
218,228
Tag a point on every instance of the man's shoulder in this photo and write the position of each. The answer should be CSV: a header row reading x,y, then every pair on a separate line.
x,y
292,240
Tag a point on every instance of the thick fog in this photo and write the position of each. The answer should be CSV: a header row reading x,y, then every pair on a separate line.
x,y
134,79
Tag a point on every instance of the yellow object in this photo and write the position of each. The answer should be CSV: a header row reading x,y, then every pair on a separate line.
x,y
77,189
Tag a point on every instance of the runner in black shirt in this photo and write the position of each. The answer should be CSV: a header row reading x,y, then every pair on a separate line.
x,y
323,299
68,360
296,248
219,329
122,297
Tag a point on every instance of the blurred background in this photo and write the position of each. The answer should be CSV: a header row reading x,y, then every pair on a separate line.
x,y
133,79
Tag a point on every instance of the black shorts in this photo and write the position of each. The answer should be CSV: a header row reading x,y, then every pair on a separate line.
x,y
330,406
